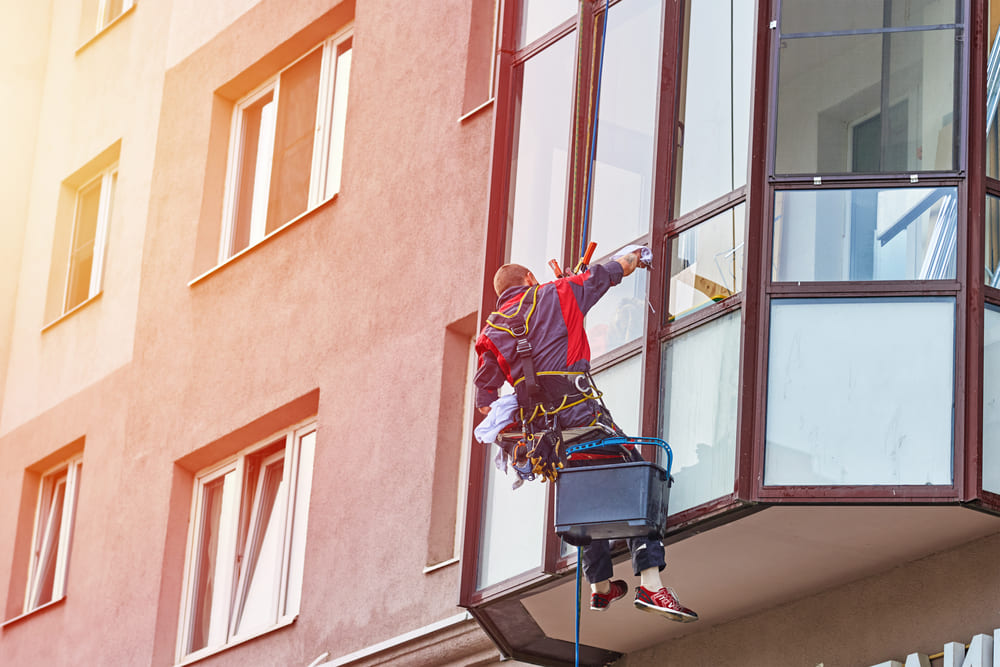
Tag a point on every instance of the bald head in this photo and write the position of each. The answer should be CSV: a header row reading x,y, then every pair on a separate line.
x,y
511,275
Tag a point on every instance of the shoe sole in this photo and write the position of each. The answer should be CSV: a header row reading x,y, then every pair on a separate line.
x,y
666,613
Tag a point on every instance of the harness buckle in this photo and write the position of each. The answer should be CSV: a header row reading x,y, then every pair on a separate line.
x,y
518,329
585,387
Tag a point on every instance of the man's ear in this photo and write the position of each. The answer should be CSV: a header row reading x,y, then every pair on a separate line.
x,y
530,279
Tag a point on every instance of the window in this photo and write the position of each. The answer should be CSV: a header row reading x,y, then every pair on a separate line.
x,y
53,531
865,234
286,146
247,541
854,87
109,10
90,231
860,391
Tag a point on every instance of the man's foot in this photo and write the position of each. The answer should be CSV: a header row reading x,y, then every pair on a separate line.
x,y
601,601
665,603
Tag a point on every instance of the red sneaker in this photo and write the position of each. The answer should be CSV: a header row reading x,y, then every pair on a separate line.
x,y
664,602
601,601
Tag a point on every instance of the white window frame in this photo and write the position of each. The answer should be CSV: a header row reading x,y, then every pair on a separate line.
x,y
43,542
103,21
103,181
291,513
325,135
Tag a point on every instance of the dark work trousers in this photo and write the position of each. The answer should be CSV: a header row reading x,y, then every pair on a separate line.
x,y
646,553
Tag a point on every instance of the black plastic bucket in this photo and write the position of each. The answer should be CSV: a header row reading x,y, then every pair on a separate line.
x,y
612,502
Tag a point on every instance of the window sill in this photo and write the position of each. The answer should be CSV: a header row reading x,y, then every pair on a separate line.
x,y
115,21
469,114
440,566
249,249
37,610
215,650
72,311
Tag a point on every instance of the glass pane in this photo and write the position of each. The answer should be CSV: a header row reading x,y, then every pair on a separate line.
x,y
842,15
260,562
698,404
830,97
620,316
621,385
82,255
993,92
294,136
860,391
540,153
300,520
706,263
256,151
869,234
991,400
513,527
626,134
540,16
992,241
48,552
211,586
714,108
338,119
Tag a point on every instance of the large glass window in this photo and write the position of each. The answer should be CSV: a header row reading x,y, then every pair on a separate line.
x,y
626,129
699,386
860,391
867,86
991,400
865,234
247,543
714,105
706,263
513,525
286,146
543,107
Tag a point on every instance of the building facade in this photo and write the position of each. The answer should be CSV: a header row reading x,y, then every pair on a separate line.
x,y
248,244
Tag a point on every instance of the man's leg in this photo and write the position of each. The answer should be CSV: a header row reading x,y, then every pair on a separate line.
x,y
647,562
598,568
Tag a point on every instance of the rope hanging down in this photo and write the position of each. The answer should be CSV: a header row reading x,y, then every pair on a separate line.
x,y
583,253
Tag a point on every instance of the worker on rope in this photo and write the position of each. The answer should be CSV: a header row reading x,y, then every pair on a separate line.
x,y
536,342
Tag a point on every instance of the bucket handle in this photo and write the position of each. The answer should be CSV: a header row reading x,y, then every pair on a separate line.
x,y
656,442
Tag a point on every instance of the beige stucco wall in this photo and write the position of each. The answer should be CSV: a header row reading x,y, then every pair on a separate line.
x,y
107,91
343,316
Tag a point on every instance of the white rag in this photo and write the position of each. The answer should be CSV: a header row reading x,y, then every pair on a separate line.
x,y
500,416
646,256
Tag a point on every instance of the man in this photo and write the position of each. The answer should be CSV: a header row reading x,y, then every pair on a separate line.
x,y
550,318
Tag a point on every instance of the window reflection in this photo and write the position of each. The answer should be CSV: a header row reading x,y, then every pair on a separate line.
x,y
860,391
540,153
992,249
824,16
714,108
540,16
513,526
698,406
620,316
991,400
626,136
993,93
865,234
856,103
621,385
706,263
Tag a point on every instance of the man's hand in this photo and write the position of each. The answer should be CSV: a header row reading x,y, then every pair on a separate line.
x,y
485,410
630,262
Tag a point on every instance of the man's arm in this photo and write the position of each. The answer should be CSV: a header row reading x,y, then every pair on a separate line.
x,y
488,380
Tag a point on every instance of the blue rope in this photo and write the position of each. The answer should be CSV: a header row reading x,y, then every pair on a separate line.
x,y
593,136
579,562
